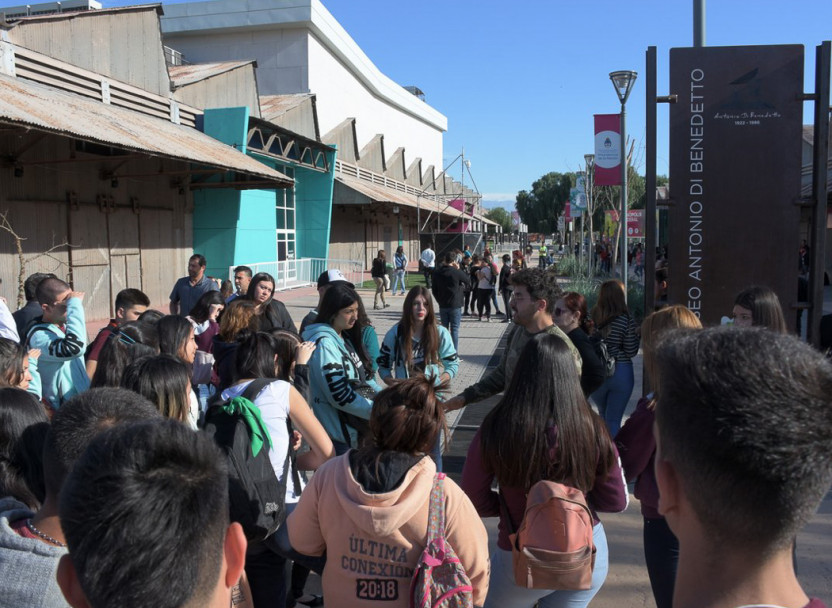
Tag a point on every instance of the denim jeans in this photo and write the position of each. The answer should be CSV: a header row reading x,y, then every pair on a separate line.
x,y
503,593
398,278
611,399
450,319
661,554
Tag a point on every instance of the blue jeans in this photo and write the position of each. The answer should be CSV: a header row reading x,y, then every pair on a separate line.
x,y
451,318
397,278
613,396
661,553
503,593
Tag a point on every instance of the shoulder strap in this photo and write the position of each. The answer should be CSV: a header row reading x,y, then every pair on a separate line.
x,y
506,514
257,385
436,510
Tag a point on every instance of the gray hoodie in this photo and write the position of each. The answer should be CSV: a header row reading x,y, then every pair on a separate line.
x,y
27,565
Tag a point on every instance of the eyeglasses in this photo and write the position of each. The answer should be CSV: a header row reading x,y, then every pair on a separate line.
x,y
560,311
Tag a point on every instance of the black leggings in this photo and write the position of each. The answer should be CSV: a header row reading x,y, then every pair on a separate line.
x,y
484,301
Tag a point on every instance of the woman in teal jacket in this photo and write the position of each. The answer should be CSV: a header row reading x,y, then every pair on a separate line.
x,y
417,344
341,387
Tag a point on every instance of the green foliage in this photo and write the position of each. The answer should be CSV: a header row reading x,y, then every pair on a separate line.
x,y
501,216
541,207
570,266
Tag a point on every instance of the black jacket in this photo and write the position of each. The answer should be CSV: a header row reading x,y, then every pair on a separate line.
x,y
449,286
593,372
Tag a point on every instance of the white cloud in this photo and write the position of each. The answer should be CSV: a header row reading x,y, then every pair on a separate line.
x,y
500,197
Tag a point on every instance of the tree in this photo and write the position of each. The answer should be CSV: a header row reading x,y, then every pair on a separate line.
x,y
541,207
23,260
501,216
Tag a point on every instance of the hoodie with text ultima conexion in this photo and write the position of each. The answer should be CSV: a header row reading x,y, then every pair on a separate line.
x,y
372,521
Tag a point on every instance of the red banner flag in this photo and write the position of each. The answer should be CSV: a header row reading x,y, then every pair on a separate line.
x,y
607,149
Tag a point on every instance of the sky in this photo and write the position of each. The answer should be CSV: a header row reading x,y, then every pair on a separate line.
x,y
520,81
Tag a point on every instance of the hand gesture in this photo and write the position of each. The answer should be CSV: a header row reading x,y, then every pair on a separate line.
x,y
34,353
303,352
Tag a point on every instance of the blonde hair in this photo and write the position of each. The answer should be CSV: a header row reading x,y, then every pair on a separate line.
x,y
658,323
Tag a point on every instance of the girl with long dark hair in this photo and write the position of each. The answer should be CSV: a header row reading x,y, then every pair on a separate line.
x,y
417,344
543,428
341,388
759,306
165,381
612,319
23,427
281,408
204,317
18,367
176,337
271,313
127,343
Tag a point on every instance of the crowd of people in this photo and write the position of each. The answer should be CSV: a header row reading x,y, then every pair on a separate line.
x,y
113,491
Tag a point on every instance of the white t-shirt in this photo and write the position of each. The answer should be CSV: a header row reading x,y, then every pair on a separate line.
x,y
487,272
273,403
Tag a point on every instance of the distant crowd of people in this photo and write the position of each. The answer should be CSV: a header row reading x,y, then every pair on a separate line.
x,y
114,492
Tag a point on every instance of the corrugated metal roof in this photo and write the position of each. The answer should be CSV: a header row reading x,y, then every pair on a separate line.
x,y
181,75
274,106
50,110
382,194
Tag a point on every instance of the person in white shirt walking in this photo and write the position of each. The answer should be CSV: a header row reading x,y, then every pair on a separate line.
x,y
428,263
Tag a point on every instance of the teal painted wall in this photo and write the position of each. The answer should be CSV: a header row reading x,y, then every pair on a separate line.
x,y
217,212
234,227
313,196
215,228
228,125
256,228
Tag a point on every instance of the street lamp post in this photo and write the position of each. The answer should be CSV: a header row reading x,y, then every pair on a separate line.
x,y
623,81
589,159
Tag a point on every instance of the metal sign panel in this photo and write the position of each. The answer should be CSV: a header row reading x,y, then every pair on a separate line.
x,y
735,156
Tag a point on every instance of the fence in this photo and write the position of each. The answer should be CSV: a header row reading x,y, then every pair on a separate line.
x,y
290,274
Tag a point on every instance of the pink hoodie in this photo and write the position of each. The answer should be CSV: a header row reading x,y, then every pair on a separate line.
x,y
373,541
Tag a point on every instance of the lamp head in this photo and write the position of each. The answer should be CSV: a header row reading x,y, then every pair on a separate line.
x,y
589,159
623,81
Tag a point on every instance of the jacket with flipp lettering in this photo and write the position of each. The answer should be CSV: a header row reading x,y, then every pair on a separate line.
x,y
333,377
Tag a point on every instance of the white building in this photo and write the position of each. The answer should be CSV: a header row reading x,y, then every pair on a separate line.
x,y
300,48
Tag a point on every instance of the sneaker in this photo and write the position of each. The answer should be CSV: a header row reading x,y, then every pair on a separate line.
x,y
479,319
386,305
488,319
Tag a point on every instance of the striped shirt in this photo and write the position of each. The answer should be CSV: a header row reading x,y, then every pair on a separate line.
x,y
621,338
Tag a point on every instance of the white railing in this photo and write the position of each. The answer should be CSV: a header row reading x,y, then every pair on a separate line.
x,y
290,274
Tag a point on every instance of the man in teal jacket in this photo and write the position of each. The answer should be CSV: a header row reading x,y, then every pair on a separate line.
x,y
61,336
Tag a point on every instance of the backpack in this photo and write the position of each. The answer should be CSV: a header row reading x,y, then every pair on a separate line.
x,y
553,547
601,349
439,580
493,278
256,497
603,353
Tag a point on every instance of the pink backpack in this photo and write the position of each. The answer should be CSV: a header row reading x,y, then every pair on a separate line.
x,y
553,548
439,580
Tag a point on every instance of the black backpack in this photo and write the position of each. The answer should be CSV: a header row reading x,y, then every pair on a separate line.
x,y
600,346
256,497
